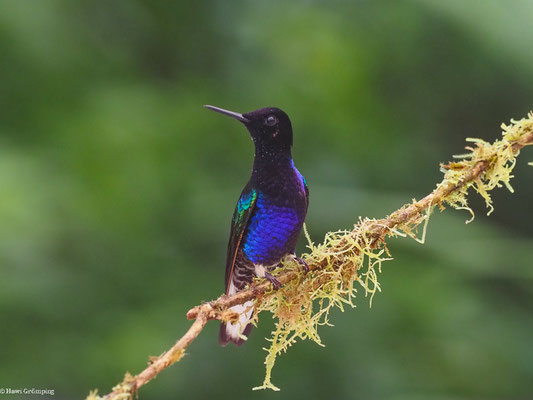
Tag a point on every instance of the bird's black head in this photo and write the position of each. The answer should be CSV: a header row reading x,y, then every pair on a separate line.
x,y
270,127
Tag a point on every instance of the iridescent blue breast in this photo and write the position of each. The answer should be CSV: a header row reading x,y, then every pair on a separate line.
x,y
272,232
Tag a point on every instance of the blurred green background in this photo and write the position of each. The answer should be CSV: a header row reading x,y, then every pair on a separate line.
x,y
117,190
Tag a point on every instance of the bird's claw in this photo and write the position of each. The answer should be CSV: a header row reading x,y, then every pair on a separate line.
x,y
276,284
303,264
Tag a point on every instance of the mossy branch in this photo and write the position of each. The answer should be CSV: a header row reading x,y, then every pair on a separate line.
x,y
345,257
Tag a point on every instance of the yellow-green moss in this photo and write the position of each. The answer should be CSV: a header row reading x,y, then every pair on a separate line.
x,y
352,259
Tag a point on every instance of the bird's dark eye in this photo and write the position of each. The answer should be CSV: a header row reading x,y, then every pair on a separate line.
x,y
271,120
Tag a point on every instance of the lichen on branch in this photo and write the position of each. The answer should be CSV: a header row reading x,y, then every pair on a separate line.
x,y
351,259
348,260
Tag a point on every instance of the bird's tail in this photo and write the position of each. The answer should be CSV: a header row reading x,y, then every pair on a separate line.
x,y
236,331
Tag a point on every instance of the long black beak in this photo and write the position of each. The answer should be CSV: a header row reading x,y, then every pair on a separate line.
x,y
235,115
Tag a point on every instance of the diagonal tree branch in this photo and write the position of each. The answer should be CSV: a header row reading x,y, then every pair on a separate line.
x,y
480,167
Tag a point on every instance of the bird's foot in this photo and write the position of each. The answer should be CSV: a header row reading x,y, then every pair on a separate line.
x,y
276,284
302,263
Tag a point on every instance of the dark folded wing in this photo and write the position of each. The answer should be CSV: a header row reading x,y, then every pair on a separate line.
x,y
239,223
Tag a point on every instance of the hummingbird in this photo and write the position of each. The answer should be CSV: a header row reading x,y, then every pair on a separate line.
x,y
269,214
